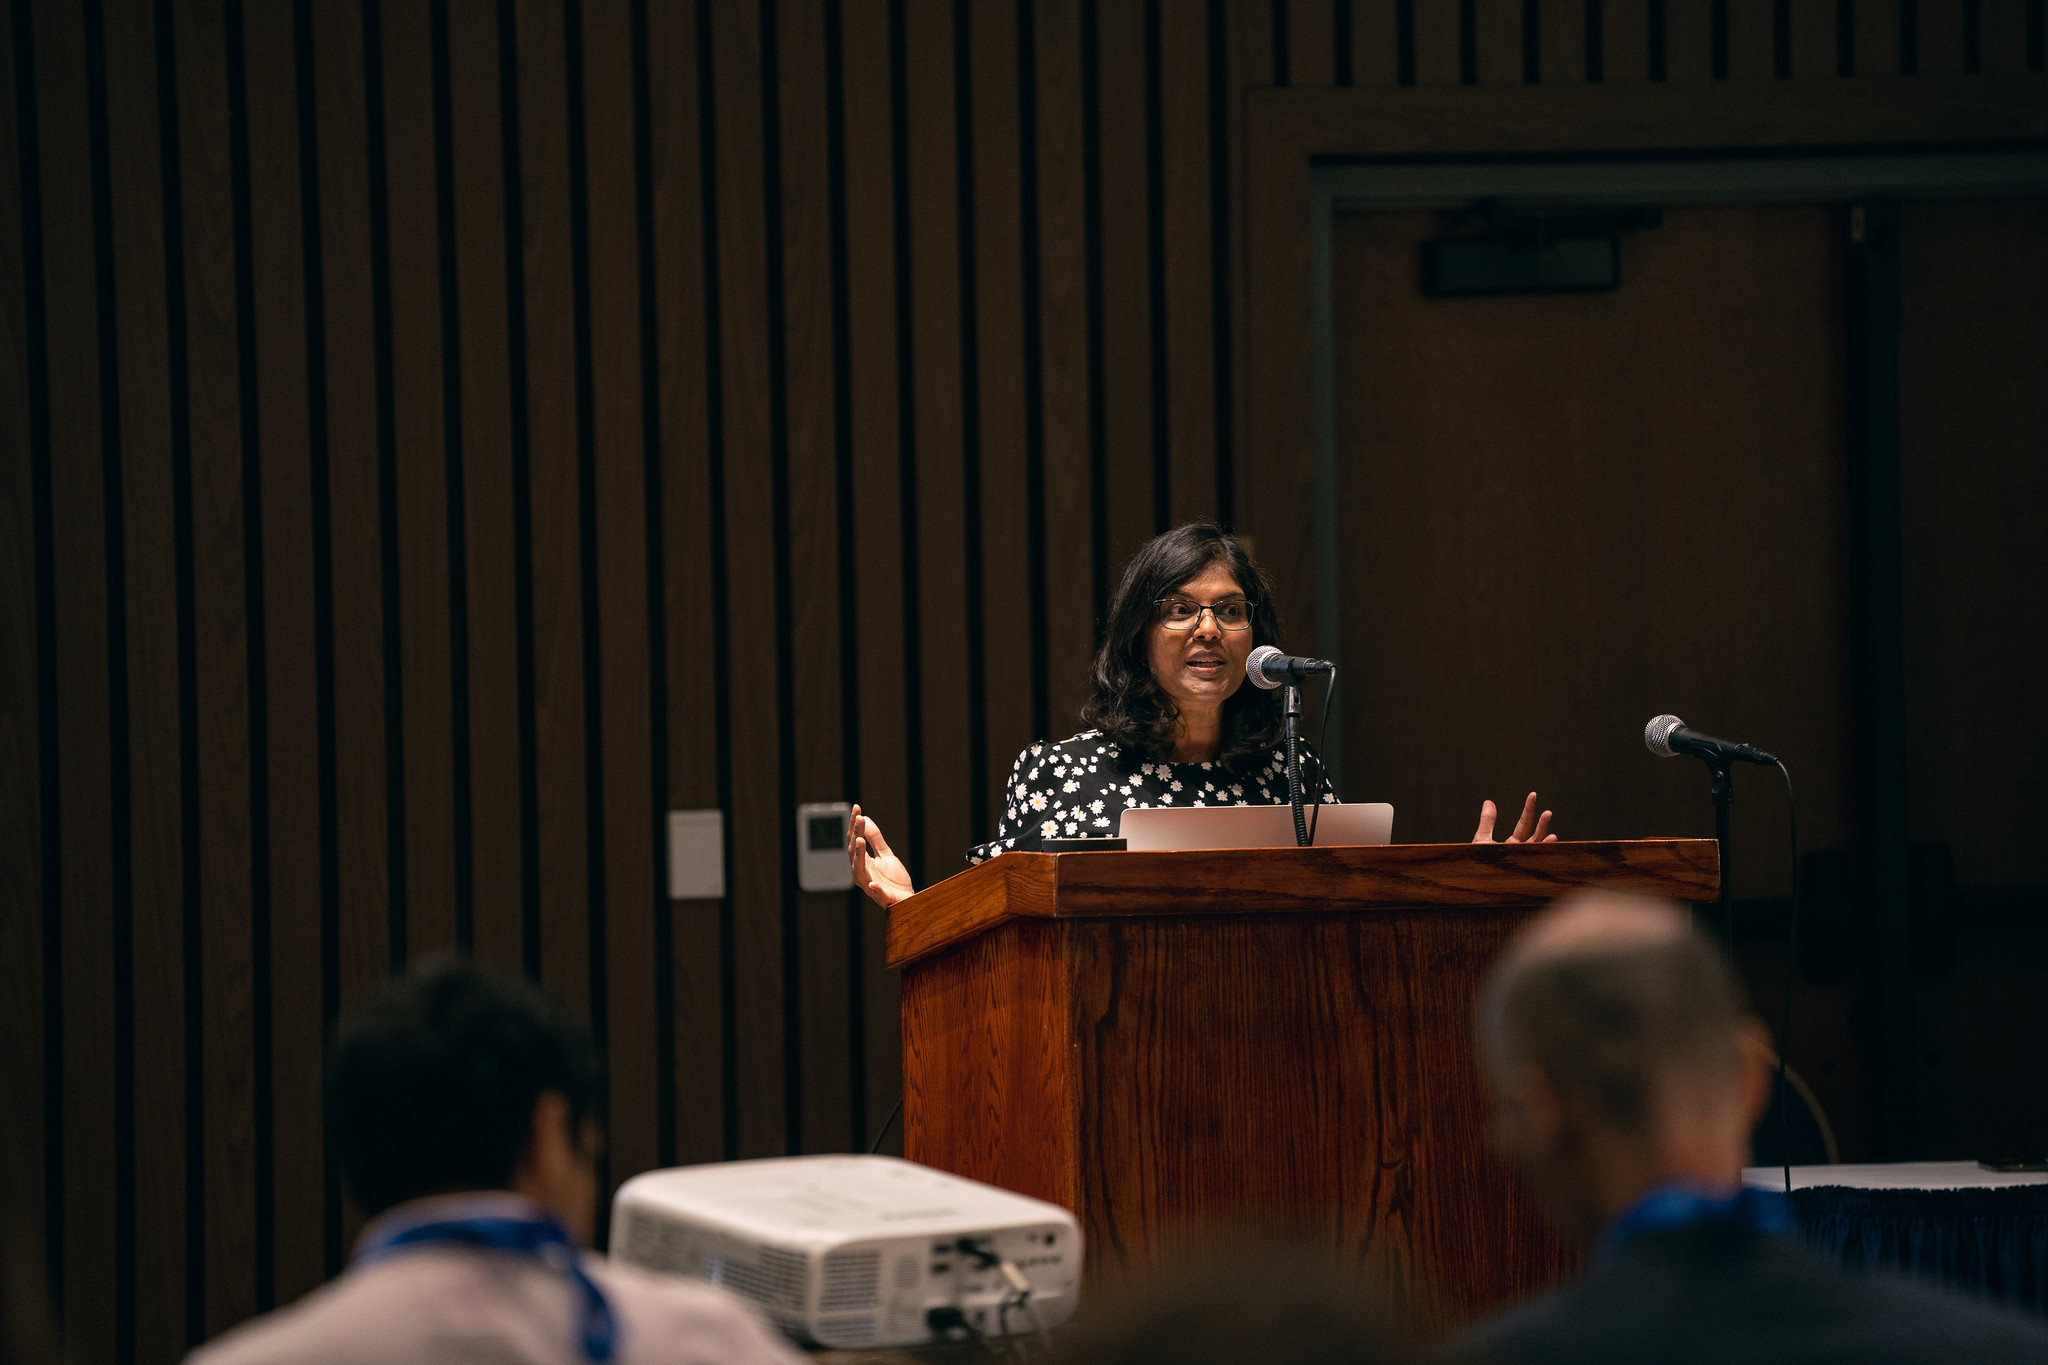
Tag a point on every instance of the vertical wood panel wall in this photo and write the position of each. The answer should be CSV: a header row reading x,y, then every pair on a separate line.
x,y
435,440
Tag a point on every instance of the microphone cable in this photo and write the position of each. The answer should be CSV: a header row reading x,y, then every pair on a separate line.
x,y
1322,760
887,1124
1791,975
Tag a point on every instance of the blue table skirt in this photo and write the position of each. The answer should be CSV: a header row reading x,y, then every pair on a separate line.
x,y
1988,1242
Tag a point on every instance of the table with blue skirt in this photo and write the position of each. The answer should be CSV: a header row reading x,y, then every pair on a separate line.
x,y
1983,1232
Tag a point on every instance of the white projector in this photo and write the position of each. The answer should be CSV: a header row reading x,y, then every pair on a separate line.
x,y
850,1251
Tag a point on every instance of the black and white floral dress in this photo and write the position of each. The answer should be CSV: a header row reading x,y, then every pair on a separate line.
x,y
1080,788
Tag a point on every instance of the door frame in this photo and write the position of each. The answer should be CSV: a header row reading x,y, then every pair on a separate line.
x,y
1770,176
1305,151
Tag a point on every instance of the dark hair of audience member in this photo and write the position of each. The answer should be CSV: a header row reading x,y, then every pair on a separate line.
x,y
432,1085
1610,1023
1274,1305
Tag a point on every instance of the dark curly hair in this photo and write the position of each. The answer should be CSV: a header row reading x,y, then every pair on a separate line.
x,y
432,1084
1129,706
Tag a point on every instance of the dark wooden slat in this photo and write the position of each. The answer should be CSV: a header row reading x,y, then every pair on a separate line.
x,y
1816,46
1689,40
1003,614
422,483
1127,358
757,823
1375,43
813,553
1437,38
1275,355
1280,881
1563,42
155,814
621,487
1498,41
555,503
871,236
1063,364
220,622
1752,53
631,967
935,301
488,403
277,270
1189,273
21,813
1311,39
1940,37
1877,37
1249,64
362,854
84,758
1625,41
686,561
2004,30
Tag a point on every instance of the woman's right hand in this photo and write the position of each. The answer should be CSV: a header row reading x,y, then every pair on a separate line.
x,y
876,870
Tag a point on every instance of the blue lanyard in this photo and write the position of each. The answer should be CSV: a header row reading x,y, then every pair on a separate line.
x,y
1682,1206
537,1236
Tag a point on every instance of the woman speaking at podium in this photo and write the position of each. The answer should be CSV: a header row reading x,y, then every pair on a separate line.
x,y
1171,722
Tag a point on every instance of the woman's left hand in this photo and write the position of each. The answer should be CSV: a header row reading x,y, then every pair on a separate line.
x,y
1528,830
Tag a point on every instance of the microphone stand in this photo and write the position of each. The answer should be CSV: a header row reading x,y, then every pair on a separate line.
x,y
1290,711
1722,792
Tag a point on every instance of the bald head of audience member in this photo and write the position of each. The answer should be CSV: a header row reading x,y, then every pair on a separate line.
x,y
1621,1055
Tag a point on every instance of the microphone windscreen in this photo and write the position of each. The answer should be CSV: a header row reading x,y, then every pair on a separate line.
x,y
1657,734
1255,666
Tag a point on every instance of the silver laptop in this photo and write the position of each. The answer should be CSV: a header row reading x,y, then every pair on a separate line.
x,y
1170,827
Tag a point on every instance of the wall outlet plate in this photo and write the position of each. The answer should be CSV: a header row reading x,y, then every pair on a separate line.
x,y
696,855
821,862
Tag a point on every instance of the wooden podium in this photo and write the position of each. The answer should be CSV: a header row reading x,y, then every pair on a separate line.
x,y
1186,1047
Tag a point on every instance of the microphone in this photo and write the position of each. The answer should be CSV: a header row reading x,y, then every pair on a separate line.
x,y
1668,736
1269,668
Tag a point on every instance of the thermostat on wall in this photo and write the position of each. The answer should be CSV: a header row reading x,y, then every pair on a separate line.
x,y
821,863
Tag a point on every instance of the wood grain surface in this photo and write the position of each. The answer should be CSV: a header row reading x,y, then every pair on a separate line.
x,y
1307,1073
1190,1048
988,1072
1275,880
1286,128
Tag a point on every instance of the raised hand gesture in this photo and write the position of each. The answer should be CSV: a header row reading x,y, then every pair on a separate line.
x,y
1528,830
876,870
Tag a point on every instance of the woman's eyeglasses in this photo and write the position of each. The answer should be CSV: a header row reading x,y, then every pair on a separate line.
x,y
1182,613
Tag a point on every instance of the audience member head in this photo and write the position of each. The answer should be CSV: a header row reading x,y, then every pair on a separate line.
x,y
461,1078
1271,1303
1621,1055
